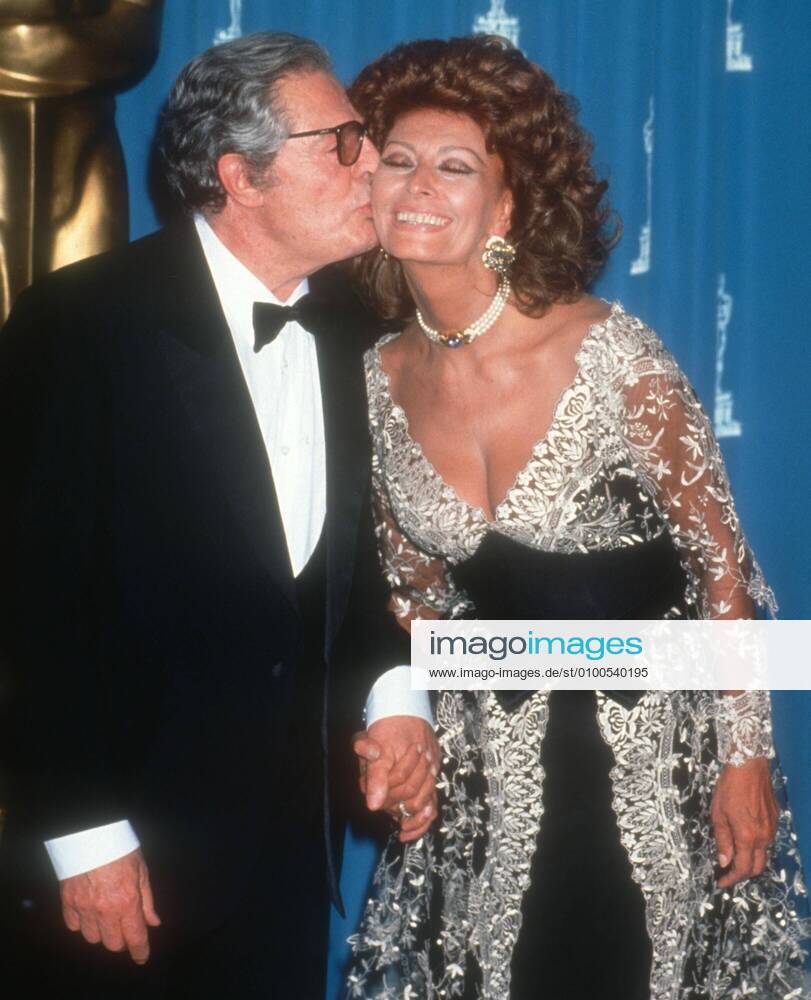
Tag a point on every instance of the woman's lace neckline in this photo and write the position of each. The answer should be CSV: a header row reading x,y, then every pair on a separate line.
x,y
594,331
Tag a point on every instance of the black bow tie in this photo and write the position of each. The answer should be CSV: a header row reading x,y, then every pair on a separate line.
x,y
268,319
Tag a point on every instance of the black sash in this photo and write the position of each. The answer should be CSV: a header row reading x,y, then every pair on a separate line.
x,y
506,579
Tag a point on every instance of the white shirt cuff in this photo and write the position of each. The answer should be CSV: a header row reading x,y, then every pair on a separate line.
x,y
392,695
80,852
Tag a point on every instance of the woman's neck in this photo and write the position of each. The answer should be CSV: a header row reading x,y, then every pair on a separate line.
x,y
450,298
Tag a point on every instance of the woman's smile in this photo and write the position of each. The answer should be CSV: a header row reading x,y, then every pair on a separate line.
x,y
436,178
422,220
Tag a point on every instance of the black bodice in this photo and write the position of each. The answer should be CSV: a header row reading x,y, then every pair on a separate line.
x,y
506,579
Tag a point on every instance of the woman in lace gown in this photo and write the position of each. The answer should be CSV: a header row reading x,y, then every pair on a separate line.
x,y
539,454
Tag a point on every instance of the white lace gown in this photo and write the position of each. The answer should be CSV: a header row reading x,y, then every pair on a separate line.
x,y
629,454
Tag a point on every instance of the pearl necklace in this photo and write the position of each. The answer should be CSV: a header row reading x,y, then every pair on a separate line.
x,y
457,338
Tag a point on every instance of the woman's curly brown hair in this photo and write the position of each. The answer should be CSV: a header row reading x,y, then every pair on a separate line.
x,y
559,223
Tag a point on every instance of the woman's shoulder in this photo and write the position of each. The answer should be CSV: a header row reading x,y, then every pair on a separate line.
x,y
622,346
381,365
390,354
372,355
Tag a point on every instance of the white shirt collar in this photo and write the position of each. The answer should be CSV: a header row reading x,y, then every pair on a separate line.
x,y
237,286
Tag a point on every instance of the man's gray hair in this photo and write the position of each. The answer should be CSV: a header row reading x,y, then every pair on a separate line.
x,y
225,101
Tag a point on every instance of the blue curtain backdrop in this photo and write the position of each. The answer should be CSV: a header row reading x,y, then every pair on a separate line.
x,y
699,113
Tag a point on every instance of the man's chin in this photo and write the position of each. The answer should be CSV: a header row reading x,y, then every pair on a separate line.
x,y
361,247
368,239
370,245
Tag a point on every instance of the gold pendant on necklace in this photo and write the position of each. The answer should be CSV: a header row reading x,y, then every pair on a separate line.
x,y
455,338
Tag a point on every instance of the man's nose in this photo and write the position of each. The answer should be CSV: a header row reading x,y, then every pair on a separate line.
x,y
369,157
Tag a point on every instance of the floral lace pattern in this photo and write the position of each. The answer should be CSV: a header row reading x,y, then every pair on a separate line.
x,y
744,727
708,943
629,454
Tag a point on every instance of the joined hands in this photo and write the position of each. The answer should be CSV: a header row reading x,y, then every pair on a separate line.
x,y
399,762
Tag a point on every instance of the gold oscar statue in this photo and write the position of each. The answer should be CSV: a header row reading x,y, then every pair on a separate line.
x,y
63,184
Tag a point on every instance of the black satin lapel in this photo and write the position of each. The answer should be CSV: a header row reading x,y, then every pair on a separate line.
x,y
343,394
202,360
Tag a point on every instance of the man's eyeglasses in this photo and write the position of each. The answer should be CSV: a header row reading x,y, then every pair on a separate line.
x,y
349,138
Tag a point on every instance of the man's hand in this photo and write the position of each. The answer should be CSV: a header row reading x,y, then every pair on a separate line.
x,y
113,905
399,762
744,814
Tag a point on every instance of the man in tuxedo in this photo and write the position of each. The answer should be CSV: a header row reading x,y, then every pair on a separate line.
x,y
195,613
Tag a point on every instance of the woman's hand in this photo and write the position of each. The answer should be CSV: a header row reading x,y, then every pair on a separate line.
x,y
744,814
399,762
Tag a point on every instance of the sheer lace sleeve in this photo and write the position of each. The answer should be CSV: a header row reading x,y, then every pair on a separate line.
x,y
421,584
744,726
676,457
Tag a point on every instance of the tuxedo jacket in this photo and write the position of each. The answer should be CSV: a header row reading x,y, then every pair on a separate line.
x,y
150,632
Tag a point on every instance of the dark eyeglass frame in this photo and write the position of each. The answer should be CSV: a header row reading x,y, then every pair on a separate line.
x,y
338,131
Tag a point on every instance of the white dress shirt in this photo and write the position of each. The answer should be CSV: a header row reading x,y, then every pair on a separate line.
x,y
284,386
283,382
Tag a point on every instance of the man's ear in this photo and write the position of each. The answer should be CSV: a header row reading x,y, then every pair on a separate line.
x,y
235,179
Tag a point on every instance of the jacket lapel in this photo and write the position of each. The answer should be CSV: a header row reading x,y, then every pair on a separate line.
x,y
343,393
203,363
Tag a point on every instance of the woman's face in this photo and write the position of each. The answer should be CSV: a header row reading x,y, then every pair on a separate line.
x,y
438,194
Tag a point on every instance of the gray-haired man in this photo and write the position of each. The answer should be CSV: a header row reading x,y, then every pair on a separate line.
x,y
198,613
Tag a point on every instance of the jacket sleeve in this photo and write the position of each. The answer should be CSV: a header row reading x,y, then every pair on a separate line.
x,y
60,693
